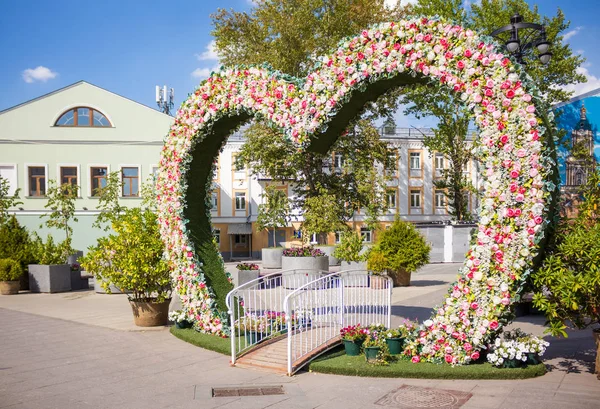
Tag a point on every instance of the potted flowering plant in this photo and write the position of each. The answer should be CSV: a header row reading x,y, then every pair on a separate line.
x,y
374,345
302,265
246,272
10,274
353,337
179,318
515,349
394,337
254,327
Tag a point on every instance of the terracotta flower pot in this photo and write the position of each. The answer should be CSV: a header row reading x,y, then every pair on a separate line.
x,y
149,313
9,287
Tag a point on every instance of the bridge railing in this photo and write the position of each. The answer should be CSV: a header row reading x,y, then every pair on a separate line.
x,y
316,311
256,308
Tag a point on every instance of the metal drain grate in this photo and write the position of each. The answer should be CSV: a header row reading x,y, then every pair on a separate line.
x,y
247,391
414,397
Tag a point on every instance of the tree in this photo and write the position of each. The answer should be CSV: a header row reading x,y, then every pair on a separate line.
x,y
288,34
322,215
568,284
61,202
275,212
7,201
450,136
108,202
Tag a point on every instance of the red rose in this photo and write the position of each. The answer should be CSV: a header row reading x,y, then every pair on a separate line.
x,y
494,325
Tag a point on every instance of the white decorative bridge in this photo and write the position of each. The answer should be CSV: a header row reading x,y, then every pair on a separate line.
x,y
283,320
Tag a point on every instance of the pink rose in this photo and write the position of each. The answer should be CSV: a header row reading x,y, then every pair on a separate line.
x,y
494,325
514,174
460,65
526,97
448,358
416,359
475,356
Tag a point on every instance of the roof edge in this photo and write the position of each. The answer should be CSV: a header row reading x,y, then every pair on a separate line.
x,y
577,98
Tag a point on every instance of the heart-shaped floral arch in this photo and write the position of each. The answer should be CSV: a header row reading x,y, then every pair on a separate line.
x,y
314,111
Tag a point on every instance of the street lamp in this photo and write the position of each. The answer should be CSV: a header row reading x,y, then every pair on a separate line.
x,y
524,38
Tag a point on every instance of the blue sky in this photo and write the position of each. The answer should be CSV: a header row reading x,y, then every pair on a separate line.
x,y
130,46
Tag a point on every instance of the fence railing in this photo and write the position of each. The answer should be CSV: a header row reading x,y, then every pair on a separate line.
x,y
317,311
256,307
308,306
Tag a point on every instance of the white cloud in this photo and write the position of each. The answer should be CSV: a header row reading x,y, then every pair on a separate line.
x,y
571,33
39,73
210,53
467,3
393,3
592,83
202,73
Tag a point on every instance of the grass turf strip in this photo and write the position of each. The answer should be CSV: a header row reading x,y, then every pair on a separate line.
x,y
338,363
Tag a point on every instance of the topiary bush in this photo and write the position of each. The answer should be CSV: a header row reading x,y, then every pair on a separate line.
x,y
399,250
10,270
49,253
15,244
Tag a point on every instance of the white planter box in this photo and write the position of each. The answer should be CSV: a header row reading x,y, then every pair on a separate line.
x,y
305,263
328,250
243,276
271,257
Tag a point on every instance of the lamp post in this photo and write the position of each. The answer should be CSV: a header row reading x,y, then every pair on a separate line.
x,y
164,99
524,39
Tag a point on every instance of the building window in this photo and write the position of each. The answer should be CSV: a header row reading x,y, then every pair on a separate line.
x,y
415,199
391,199
68,175
217,235
338,237
338,161
239,171
240,239
366,234
83,116
155,170
439,162
98,179
392,162
440,199
415,161
214,200
130,177
9,174
240,200
37,181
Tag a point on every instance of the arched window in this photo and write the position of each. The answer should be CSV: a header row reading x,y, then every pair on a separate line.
x,y
83,116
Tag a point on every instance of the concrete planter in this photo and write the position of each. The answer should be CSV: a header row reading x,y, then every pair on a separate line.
x,y
320,263
271,257
54,278
243,276
353,265
72,259
328,250
9,287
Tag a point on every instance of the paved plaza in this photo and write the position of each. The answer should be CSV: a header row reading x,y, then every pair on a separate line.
x,y
81,350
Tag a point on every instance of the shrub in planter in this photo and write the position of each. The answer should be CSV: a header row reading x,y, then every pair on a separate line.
x,y
15,244
132,260
51,273
350,248
399,250
10,273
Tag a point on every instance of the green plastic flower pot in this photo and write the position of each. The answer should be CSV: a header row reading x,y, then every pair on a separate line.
x,y
253,337
371,353
533,359
395,345
352,348
183,324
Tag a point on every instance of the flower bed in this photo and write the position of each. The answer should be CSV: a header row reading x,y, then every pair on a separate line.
x,y
303,252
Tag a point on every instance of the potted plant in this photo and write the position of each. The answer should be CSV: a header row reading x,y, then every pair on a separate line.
x,y
373,346
353,337
515,349
179,318
377,265
302,265
132,259
399,251
351,252
15,244
394,337
253,327
273,214
51,274
10,274
246,272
